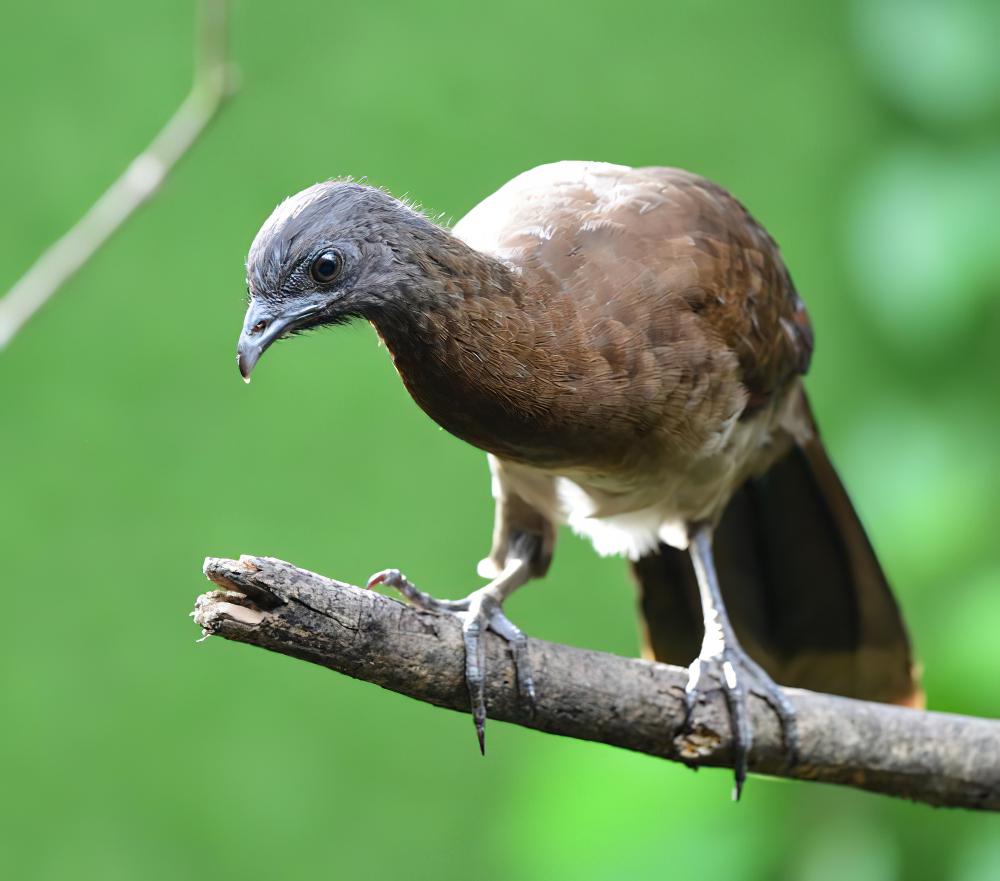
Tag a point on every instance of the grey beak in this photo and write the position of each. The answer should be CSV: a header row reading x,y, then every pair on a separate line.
x,y
260,329
247,354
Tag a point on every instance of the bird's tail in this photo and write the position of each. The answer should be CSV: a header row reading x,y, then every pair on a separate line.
x,y
802,585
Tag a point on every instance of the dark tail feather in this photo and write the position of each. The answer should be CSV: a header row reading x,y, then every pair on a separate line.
x,y
802,585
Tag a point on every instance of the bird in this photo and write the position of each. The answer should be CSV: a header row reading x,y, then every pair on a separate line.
x,y
628,347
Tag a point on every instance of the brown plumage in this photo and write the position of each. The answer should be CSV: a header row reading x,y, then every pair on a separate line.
x,y
627,345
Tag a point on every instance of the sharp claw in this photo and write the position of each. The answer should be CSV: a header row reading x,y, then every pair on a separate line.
x,y
386,576
740,775
738,675
475,664
736,699
478,612
481,734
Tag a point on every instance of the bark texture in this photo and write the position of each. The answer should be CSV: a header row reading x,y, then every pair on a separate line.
x,y
937,758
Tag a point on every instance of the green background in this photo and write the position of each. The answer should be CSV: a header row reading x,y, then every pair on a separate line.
x,y
866,137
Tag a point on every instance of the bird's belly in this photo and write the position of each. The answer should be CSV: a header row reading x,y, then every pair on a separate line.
x,y
631,513
633,523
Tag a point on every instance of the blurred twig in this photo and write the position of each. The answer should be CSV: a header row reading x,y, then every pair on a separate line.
x,y
936,758
142,178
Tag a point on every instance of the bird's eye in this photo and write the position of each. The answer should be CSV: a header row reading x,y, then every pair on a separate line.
x,y
326,267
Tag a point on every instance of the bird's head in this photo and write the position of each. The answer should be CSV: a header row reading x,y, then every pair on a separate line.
x,y
335,251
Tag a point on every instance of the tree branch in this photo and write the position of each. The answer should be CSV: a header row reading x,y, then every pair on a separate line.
x,y
937,758
142,178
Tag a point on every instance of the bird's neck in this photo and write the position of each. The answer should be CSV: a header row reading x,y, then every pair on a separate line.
x,y
467,342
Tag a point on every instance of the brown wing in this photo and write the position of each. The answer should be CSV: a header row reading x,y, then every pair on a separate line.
x,y
747,293
657,265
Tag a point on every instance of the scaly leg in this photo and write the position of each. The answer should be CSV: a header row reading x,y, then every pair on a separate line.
x,y
725,659
480,611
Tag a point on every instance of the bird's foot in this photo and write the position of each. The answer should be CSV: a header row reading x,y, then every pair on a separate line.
x,y
480,611
738,674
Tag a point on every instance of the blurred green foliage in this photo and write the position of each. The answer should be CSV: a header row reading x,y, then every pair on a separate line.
x,y
866,137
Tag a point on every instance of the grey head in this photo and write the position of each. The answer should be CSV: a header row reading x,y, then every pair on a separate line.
x,y
335,251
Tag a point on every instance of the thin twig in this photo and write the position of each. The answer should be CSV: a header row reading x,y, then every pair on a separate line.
x,y
142,178
937,758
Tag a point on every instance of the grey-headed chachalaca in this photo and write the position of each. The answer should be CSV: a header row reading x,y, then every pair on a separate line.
x,y
627,346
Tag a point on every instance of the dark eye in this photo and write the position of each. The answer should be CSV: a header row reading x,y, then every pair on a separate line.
x,y
326,267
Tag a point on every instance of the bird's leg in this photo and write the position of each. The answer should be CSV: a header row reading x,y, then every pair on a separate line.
x,y
480,611
725,659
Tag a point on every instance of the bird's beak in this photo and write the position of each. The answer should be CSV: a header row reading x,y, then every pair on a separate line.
x,y
261,327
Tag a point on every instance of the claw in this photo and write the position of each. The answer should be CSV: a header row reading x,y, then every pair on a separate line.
x,y
518,642
473,625
478,612
785,712
388,577
481,734
738,674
